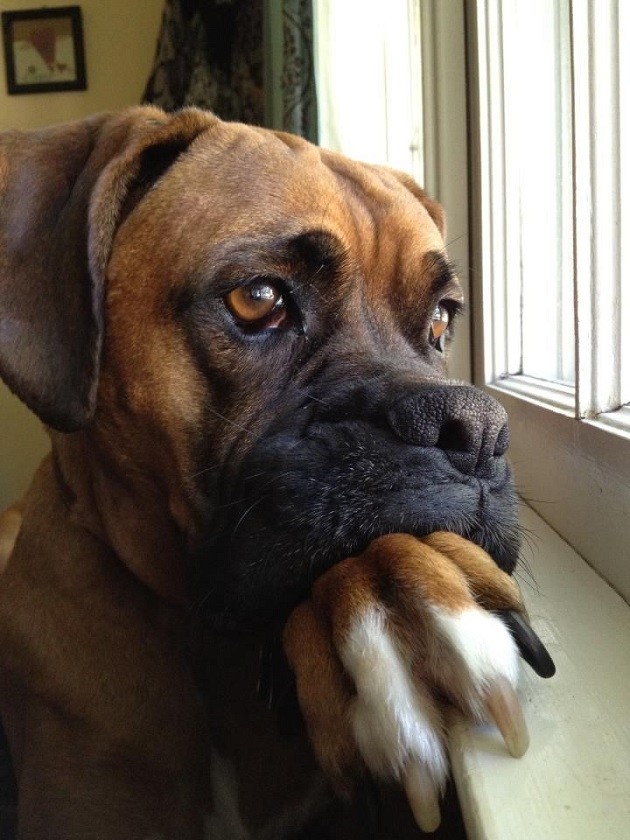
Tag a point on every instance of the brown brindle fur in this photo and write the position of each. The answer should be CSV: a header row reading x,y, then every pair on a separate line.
x,y
98,695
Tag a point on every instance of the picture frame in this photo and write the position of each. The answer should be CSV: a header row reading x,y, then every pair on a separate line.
x,y
43,50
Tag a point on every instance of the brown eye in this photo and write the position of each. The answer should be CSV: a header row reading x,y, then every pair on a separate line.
x,y
257,303
440,320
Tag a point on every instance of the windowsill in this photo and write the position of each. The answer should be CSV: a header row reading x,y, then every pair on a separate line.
x,y
560,398
574,781
553,395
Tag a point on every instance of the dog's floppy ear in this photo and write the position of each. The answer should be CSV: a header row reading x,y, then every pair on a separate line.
x,y
62,191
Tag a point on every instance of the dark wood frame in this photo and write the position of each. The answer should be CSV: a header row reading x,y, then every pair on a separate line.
x,y
71,12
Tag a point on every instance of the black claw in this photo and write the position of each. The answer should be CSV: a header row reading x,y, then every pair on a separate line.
x,y
530,647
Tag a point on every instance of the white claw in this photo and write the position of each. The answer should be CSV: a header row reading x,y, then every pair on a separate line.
x,y
503,705
423,797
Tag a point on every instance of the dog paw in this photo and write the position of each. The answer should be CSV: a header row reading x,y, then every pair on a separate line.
x,y
389,638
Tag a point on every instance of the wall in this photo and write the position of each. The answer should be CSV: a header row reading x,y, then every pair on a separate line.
x,y
120,38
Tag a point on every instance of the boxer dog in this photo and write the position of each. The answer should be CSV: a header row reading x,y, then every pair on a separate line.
x,y
237,342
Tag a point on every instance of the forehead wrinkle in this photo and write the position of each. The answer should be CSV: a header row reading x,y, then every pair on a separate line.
x,y
388,223
344,219
371,212
310,249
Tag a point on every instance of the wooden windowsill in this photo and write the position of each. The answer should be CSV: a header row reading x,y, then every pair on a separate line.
x,y
574,781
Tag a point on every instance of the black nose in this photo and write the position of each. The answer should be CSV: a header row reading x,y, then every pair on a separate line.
x,y
466,423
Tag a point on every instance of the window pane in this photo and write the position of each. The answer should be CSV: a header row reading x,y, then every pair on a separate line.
x,y
538,163
368,81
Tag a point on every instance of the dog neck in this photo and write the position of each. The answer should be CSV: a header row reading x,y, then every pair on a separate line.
x,y
128,513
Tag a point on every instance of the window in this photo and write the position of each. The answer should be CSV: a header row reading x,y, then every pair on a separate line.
x,y
526,141
384,71
549,121
368,106
514,116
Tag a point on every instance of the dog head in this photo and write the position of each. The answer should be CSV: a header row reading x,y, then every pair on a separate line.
x,y
238,341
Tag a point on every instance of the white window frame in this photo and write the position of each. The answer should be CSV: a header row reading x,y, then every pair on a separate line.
x,y
576,474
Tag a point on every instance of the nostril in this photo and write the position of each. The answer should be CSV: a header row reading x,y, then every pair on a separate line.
x,y
465,424
502,441
453,437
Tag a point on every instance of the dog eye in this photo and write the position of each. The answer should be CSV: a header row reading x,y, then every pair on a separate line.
x,y
258,304
440,320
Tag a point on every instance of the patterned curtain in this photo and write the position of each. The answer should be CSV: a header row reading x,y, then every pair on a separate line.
x,y
216,54
297,83
210,54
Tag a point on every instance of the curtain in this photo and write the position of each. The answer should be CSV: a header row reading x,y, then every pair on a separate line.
x,y
291,102
246,60
210,54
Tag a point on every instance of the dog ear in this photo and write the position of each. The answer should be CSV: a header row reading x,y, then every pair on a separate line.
x,y
62,193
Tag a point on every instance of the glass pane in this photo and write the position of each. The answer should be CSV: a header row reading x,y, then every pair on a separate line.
x,y
538,162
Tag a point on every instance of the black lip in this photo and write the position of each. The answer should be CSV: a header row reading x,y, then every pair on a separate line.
x,y
263,574
307,497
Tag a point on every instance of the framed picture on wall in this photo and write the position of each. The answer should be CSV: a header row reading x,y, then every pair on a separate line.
x,y
43,50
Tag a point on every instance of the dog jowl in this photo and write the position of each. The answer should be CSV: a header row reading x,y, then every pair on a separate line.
x,y
237,341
